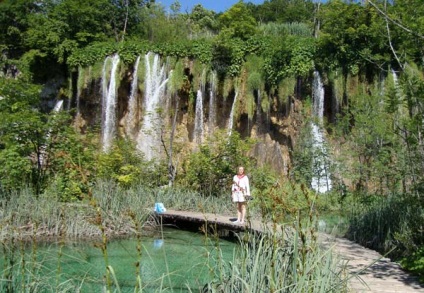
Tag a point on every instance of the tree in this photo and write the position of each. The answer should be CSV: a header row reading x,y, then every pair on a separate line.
x,y
283,11
158,27
210,169
22,135
69,24
14,21
351,37
203,22
404,28
237,22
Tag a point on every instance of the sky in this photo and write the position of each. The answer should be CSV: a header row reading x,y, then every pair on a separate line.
x,y
216,5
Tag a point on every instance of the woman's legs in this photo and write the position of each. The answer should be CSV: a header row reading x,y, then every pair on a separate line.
x,y
241,212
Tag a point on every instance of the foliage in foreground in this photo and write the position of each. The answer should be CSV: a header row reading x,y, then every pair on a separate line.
x,y
415,263
288,259
393,225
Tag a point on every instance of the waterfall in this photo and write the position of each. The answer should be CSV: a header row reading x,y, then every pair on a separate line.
x,y
395,77
132,101
230,122
58,107
148,140
104,82
79,87
43,148
318,97
321,181
78,103
401,108
198,119
109,104
396,85
212,109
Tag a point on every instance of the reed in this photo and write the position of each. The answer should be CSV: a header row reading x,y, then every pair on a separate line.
x,y
285,258
387,224
284,29
272,262
47,217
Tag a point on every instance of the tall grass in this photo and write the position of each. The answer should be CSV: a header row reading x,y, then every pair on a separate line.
x,y
271,262
27,219
281,29
27,215
386,224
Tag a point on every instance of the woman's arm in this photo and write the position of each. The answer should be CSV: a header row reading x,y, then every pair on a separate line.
x,y
246,186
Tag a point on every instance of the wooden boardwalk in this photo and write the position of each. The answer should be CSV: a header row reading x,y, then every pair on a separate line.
x,y
376,274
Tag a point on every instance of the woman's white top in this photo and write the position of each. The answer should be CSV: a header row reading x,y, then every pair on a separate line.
x,y
240,188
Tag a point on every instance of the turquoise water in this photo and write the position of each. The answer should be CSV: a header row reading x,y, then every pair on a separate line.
x,y
176,261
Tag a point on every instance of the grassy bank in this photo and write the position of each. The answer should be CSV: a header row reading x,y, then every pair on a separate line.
x,y
115,210
295,264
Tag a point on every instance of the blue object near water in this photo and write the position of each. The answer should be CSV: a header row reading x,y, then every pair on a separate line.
x,y
159,207
157,243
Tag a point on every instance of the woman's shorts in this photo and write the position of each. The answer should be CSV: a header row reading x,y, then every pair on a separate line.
x,y
238,196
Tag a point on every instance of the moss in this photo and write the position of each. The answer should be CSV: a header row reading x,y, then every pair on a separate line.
x,y
254,81
337,81
176,79
228,86
250,104
81,84
286,88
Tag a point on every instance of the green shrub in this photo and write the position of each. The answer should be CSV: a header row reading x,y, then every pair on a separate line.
x,y
415,263
387,224
210,169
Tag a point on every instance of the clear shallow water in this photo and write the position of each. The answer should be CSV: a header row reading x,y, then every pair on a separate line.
x,y
180,260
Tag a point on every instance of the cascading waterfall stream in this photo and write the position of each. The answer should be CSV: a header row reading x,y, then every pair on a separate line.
x,y
109,104
396,88
321,181
148,140
79,87
212,109
318,97
132,101
396,85
58,107
43,149
401,109
230,122
198,119
104,82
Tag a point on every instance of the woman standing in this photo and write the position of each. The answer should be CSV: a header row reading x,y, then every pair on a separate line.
x,y
240,191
